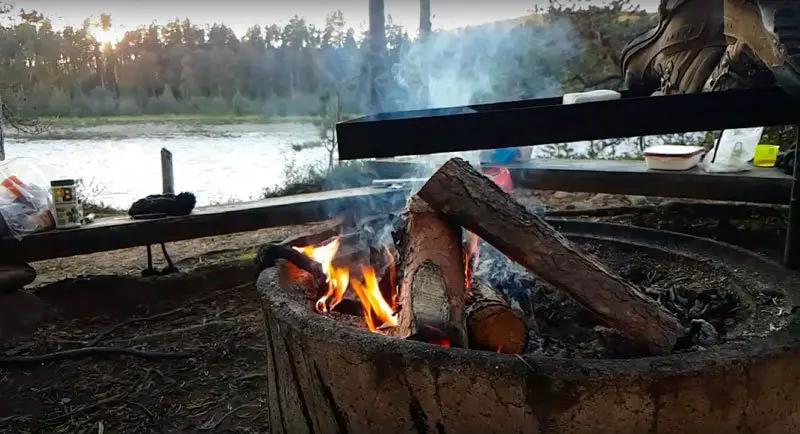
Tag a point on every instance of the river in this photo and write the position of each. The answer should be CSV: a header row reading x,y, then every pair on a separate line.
x,y
223,164
120,163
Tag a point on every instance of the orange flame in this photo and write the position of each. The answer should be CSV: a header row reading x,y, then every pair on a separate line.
x,y
377,311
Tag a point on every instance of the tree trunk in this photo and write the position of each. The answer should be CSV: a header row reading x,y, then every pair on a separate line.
x,y
492,324
472,200
377,46
432,290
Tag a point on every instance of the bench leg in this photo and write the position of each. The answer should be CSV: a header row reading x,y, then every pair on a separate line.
x,y
170,267
791,252
151,271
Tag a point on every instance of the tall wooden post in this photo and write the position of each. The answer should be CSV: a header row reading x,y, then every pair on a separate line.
x,y
377,47
167,179
424,34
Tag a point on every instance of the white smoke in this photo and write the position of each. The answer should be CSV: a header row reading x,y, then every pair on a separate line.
x,y
482,64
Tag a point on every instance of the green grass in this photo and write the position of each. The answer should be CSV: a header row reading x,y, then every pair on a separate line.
x,y
172,118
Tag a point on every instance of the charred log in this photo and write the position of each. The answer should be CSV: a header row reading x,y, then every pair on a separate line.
x,y
468,198
432,289
492,324
268,256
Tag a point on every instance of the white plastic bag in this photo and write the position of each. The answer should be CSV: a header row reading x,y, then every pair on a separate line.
x,y
25,202
734,149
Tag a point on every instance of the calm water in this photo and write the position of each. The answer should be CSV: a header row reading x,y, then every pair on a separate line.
x,y
236,166
218,164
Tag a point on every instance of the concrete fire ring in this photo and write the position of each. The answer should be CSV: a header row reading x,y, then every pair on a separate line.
x,y
324,377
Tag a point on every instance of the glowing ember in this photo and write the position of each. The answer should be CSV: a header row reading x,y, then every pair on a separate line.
x,y
378,313
471,256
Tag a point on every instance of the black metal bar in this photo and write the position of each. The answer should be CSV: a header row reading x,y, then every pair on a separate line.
x,y
545,121
791,253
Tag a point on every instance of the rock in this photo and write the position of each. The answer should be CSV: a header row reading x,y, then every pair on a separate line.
x,y
703,333
13,277
637,200
602,199
561,195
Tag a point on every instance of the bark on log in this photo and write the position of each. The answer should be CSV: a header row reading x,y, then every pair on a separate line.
x,y
432,291
472,200
492,324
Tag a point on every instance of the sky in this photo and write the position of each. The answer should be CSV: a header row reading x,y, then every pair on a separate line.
x,y
241,14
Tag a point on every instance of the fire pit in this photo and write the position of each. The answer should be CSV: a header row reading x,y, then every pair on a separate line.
x,y
393,362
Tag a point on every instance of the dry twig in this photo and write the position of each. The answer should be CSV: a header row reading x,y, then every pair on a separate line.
x,y
99,338
80,353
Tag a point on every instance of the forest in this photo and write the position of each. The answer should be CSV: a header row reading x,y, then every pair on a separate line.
x,y
272,70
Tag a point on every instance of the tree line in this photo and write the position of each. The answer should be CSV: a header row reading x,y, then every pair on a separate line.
x,y
182,67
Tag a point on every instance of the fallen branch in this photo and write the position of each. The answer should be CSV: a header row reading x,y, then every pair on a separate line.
x,y
468,198
190,328
80,353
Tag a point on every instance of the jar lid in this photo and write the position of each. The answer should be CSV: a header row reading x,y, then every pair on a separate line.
x,y
62,183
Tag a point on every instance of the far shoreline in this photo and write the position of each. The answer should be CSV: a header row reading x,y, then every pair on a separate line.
x,y
122,127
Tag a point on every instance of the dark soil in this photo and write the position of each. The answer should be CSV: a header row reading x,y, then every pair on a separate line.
x,y
218,389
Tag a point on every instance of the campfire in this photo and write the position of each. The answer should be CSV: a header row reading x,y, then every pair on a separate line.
x,y
422,282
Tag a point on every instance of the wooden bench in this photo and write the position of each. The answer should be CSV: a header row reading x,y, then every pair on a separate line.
x,y
122,232
628,177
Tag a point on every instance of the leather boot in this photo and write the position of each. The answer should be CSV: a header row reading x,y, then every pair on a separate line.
x,y
771,29
679,54
739,68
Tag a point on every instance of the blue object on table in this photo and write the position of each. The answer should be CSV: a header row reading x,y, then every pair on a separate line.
x,y
503,156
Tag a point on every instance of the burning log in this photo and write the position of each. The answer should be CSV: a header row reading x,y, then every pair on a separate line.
x,y
468,198
432,290
268,255
491,323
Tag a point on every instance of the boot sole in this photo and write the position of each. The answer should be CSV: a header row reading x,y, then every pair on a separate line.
x,y
780,20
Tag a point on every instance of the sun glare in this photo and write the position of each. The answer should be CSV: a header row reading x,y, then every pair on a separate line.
x,y
106,36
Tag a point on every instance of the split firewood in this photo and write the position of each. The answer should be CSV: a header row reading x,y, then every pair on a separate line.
x,y
492,324
468,198
432,289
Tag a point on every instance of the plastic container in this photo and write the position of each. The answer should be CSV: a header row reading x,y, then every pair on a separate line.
x,y
590,96
67,206
733,151
673,157
765,155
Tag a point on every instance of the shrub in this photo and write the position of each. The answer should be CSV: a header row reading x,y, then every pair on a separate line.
x,y
215,105
60,103
129,107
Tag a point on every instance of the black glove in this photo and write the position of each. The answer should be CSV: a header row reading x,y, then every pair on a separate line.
x,y
785,160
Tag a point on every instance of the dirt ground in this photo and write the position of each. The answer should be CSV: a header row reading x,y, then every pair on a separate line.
x,y
199,362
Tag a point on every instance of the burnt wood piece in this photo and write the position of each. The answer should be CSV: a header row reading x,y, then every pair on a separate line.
x,y
432,288
268,256
769,186
545,121
122,232
492,324
472,200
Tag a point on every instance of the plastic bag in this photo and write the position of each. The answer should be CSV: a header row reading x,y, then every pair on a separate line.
x,y
25,202
733,150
